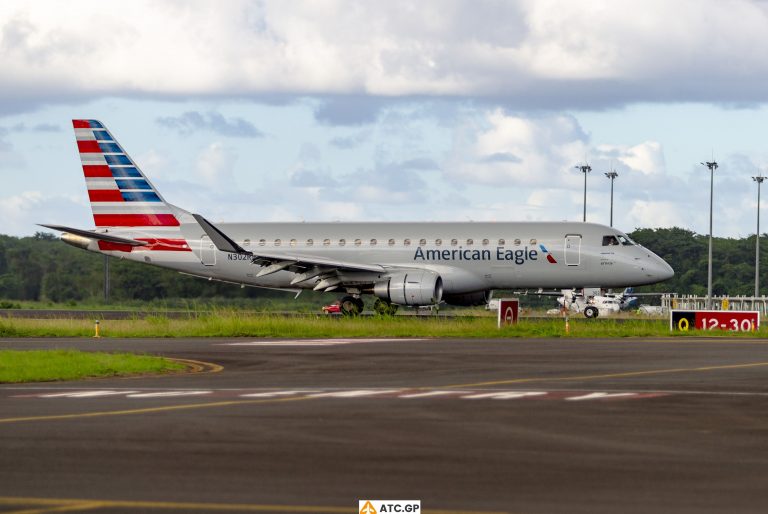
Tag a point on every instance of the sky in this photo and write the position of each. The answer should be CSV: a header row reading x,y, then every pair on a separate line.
x,y
392,111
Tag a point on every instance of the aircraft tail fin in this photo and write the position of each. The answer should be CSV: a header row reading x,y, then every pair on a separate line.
x,y
120,194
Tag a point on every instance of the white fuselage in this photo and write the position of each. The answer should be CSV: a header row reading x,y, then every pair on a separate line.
x,y
469,256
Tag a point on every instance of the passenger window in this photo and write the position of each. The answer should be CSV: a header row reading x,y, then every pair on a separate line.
x,y
262,242
373,242
406,242
502,242
470,242
247,242
277,242
422,242
391,242
454,242
438,242
310,242
533,242
517,242
610,241
326,242
358,242
485,242
342,242
293,242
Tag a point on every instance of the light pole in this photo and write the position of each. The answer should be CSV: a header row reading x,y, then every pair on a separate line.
x,y
585,168
759,179
612,175
712,167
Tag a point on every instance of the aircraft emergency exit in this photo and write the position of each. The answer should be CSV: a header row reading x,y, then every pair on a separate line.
x,y
400,263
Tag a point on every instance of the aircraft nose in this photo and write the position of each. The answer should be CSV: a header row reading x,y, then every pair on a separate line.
x,y
663,270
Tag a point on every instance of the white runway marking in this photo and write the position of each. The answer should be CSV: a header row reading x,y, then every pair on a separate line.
x,y
502,395
167,394
319,342
85,394
373,393
596,396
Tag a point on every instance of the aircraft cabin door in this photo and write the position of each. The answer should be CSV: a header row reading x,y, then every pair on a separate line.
x,y
572,250
207,251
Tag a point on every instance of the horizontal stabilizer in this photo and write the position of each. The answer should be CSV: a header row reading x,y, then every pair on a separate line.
x,y
219,238
99,236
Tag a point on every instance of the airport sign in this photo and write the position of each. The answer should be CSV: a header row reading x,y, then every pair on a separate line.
x,y
733,321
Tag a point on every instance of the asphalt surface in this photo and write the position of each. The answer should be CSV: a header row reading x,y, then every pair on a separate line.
x,y
519,426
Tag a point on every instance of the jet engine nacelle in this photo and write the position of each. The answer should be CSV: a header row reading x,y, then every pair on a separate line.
x,y
468,299
418,287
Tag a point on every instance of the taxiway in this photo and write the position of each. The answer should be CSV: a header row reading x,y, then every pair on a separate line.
x,y
464,425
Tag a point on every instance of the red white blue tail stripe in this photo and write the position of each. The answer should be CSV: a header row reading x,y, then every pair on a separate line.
x,y
120,194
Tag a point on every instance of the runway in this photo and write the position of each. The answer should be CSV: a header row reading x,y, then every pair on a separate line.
x,y
513,426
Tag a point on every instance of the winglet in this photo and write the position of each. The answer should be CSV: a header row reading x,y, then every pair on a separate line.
x,y
219,238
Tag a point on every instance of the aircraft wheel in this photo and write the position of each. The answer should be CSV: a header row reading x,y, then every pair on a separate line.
x,y
350,306
360,305
591,312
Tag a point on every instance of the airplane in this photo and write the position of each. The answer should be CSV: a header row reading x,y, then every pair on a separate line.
x,y
399,264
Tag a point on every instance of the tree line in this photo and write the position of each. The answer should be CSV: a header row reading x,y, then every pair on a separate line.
x,y
42,268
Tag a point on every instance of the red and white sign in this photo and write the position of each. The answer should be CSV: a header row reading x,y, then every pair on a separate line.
x,y
508,310
735,321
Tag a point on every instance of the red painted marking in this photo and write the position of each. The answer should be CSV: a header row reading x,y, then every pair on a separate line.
x,y
105,195
115,247
551,259
96,170
88,147
135,220
81,124
166,245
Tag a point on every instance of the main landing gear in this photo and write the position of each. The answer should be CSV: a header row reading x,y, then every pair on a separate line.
x,y
351,306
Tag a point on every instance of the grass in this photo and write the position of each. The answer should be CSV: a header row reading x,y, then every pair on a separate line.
x,y
47,365
239,324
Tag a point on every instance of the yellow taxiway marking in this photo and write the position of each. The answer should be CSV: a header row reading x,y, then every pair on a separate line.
x,y
69,505
73,507
101,414
610,375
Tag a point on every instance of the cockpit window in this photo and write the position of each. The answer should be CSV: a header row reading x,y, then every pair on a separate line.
x,y
616,240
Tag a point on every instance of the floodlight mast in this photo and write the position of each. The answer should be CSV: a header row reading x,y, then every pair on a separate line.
x,y
612,175
759,179
712,165
584,168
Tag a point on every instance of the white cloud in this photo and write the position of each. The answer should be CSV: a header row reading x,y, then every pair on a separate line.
x,y
655,214
533,52
22,211
516,150
215,165
646,157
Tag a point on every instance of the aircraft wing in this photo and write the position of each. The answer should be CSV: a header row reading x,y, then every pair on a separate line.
x,y
307,266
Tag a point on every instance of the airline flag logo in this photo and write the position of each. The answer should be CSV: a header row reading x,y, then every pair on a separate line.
x,y
389,506
550,259
120,194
